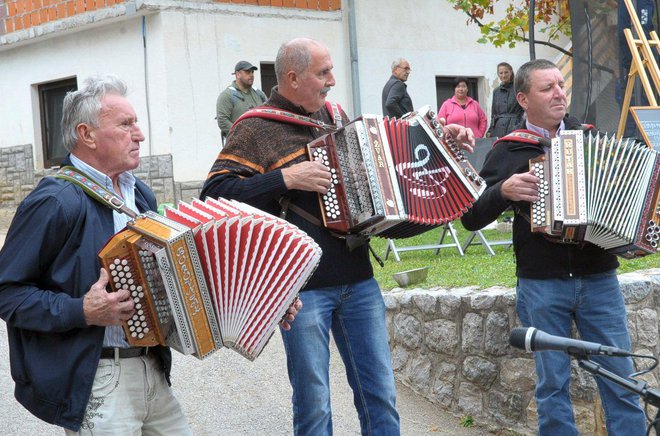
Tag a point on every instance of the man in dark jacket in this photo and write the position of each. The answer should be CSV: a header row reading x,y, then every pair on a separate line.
x,y
557,283
396,101
68,353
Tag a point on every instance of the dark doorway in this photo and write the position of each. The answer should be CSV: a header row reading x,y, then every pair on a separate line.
x,y
268,79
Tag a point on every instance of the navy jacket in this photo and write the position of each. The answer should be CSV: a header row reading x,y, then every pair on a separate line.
x,y
536,256
47,264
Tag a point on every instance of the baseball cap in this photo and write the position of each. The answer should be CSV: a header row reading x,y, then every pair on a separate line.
x,y
244,66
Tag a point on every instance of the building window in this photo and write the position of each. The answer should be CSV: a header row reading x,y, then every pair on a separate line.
x,y
51,96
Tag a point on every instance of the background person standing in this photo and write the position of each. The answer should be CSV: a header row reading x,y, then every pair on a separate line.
x,y
396,100
506,114
238,97
463,110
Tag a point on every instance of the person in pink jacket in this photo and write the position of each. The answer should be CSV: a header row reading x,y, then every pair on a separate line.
x,y
463,110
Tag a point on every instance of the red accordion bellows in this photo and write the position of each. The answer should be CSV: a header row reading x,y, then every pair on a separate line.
x,y
394,178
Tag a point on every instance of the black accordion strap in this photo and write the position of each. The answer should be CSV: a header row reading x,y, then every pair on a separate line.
x,y
352,241
94,189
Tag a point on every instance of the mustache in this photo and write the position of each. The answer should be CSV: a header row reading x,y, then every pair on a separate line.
x,y
326,90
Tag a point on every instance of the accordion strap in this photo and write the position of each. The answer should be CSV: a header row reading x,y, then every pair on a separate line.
x,y
352,241
285,117
92,188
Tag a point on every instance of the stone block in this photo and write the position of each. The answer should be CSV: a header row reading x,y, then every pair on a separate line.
x,y
445,370
470,399
427,303
496,341
583,386
441,336
450,304
585,420
419,373
164,165
484,300
472,335
635,287
443,392
508,407
400,358
647,328
518,374
408,331
479,371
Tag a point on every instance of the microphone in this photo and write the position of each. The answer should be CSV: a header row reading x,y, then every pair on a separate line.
x,y
531,339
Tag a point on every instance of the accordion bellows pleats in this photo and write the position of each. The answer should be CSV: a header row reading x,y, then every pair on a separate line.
x,y
600,190
394,178
209,274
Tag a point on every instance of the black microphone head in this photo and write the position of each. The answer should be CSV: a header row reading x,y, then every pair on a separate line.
x,y
517,337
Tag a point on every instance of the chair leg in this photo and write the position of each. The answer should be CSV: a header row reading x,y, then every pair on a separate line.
x,y
392,247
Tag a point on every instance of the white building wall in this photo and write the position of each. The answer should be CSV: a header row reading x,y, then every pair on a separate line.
x,y
109,49
200,52
436,40
190,54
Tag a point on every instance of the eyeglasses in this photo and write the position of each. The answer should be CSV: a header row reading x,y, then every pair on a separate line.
x,y
404,69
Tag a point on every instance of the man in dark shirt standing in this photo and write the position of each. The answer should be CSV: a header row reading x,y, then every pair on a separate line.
x,y
396,100
558,284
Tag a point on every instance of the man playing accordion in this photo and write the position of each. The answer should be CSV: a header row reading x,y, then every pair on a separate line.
x,y
557,283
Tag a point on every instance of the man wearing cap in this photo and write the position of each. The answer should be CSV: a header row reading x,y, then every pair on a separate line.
x,y
238,97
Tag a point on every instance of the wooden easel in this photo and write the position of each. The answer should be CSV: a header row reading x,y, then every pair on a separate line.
x,y
642,60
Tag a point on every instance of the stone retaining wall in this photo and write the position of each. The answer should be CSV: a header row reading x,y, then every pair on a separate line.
x,y
18,177
451,346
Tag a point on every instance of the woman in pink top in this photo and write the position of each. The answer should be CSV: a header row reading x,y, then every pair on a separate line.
x,y
463,110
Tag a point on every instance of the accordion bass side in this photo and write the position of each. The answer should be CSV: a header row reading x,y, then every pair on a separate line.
x,y
601,190
209,274
394,178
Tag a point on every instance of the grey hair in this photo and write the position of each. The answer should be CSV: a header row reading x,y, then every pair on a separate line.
x,y
293,56
523,76
84,105
397,62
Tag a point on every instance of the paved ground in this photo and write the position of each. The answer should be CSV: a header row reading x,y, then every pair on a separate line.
x,y
226,394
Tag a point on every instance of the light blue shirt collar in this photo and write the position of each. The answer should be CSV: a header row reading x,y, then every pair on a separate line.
x,y
126,179
543,132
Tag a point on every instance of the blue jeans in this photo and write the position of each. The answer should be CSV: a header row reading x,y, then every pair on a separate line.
x,y
596,305
356,315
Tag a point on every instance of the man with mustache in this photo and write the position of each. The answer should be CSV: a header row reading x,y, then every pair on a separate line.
x,y
557,283
263,162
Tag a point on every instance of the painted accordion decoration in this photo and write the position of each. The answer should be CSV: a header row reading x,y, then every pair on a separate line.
x,y
600,190
394,178
209,274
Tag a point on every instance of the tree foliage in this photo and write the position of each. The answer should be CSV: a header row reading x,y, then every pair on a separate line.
x,y
552,17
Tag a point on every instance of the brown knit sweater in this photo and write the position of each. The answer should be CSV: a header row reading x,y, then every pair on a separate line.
x,y
249,167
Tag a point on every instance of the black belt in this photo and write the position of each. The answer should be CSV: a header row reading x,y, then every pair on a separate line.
x,y
124,353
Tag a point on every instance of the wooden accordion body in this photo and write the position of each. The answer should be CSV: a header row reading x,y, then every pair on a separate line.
x,y
600,190
394,178
209,274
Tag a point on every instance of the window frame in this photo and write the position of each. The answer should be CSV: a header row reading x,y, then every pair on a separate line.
x,y
44,92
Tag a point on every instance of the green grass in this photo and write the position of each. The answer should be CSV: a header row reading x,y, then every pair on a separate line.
x,y
450,270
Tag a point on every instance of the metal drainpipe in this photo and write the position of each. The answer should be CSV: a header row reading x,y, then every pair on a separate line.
x,y
355,76
532,39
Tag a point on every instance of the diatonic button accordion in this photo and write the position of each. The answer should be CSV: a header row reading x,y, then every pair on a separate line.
x,y
394,178
598,189
209,274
